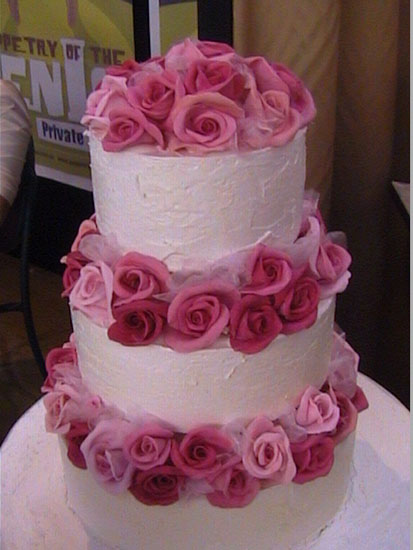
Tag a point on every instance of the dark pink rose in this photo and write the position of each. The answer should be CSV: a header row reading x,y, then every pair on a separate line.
x,y
266,452
297,305
348,418
359,400
74,438
212,75
198,314
87,227
213,49
137,277
148,446
332,266
61,406
74,262
301,98
266,78
317,412
313,457
269,271
202,452
159,486
204,122
138,323
129,127
154,95
234,487
126,69
92,293
253,324
104,456
61,363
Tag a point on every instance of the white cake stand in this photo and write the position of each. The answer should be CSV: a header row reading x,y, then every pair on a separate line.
x,y
375,517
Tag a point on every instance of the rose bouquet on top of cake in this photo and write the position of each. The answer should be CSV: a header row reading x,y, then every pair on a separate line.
x,y
199,97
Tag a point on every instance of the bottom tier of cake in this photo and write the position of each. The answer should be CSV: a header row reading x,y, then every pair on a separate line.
x,y
279,517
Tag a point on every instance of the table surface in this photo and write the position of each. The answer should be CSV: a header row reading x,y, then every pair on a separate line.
x,y
375,516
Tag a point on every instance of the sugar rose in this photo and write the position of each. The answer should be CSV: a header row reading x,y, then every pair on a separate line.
x,y
158,486
213,75
74,439
148,446
268,270
61,408
347,419
154,94
332,266
74,262
317,412
125,69
313,457
61,364
234,487
297,305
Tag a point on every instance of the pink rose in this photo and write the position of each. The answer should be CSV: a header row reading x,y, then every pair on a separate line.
x,y
359,400
269,271
180,56
202,452
137,277
210,75
313,457
213,49
138,323
266,452
204,122
74,261
126,69
266,78
332,266
198,314
154,95
159,486
348,418
148,446
234,487
297,305
104,457
342,369
316,412
87,227
61,408
301,98
61,364
92,293
253,324
74,438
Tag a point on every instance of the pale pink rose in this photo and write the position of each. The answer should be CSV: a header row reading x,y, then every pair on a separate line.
x,y
87,227
313,457
234,486
317,412
180,56
266,452
137,277
61,408
332,266
126,69
343,366
348,418
202,453
204,122
160,486
128,127
213,75
213,49
92,293
268,271
148,446
198,314
301,98
297,304
104,456
154,94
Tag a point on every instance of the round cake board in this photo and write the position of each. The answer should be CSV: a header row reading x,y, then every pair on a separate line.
x,y
375,515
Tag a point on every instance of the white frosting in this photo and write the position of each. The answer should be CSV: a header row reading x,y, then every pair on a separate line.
x,y
214,385
175,207
290,512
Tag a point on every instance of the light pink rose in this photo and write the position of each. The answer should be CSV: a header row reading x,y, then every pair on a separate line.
x,y
154,95
148,446
213,75
104,456
213,49
92,293
128,127
87,227
202,452
61,408
253,324
61,366
316,412
204,122
301,98
348,418
343,366
161,485
266,452
297,304
126,69
313,457
137,277
198,315
332,266
268,270
234,486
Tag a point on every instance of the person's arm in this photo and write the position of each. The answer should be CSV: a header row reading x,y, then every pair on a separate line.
x,y
15,135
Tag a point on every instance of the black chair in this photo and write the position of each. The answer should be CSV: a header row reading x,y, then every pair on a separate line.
x,y
15,232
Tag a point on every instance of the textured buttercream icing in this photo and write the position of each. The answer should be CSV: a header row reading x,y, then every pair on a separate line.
x,y
213,385
175,207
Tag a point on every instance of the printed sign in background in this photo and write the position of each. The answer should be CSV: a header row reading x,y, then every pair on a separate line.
x,y
56,52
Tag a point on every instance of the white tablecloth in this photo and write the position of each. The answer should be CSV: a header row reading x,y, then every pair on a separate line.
x,y
375,517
